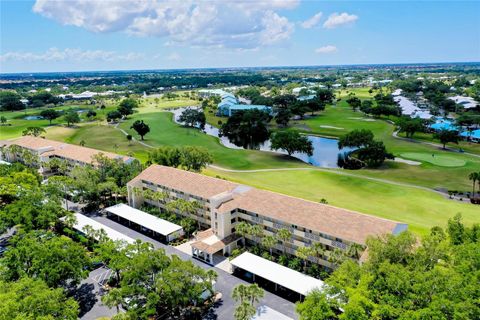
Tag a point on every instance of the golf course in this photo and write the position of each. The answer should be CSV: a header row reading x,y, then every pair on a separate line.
x,y
397,190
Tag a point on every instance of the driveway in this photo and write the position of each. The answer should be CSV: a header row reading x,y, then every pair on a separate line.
x,y
225,281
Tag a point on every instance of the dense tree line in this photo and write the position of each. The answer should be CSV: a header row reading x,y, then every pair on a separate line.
x,y
190,158
404,278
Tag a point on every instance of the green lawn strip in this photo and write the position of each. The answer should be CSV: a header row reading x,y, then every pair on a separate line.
x,y
164,131
442,160
419,208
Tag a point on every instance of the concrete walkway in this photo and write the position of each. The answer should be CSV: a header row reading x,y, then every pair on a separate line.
x,y
225,281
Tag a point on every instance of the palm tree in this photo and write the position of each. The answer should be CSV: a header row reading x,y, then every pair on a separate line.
x,y
256,231
303,253
240,293
248,296
244,311
355,250
318,250
255,293
284,235
474,177
242,229
336,257
269,242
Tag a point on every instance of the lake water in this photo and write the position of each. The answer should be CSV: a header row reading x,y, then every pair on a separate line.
x,y
325,151
33,118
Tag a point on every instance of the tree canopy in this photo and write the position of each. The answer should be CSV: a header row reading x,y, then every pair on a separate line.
x,y
193,118
291,141
367,151
32,299
247,129
188,157
141,128
404,278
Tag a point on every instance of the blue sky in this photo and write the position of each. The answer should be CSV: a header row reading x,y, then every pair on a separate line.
x,y
73,35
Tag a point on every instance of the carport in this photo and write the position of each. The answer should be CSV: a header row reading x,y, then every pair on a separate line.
x,y
148,224
270,275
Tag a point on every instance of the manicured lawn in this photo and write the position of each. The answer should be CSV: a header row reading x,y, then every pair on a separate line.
x,y
420,209
432,175
166,132
151,104
437,159
100,137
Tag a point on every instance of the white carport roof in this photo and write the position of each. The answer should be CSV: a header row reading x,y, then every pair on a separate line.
x,y
144,219
277,273
114,235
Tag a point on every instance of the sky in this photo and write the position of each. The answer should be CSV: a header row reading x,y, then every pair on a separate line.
x,y
86,35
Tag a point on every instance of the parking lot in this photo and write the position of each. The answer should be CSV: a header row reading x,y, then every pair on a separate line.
x,y
225,283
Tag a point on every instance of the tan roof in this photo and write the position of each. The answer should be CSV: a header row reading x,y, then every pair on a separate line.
x,y
336,222
188,182
333,221
55,148
216,246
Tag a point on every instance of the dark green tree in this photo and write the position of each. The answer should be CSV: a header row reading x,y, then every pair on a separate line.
x,y
141,128
50,114
113,115
291,141
247,129
71,117
10,101
33,131
30,298
446,136
193,118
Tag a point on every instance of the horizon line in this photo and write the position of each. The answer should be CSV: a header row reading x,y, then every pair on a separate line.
x,y
246,67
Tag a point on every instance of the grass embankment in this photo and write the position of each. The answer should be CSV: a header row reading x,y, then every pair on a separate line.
x,y
419,208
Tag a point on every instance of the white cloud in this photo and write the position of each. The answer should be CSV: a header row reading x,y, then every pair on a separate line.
x,y
312,22
174,57
70,55
337,20
326,49
235,24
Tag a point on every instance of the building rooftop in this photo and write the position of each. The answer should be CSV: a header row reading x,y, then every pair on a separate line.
x,y
336,222
330,220
188,182
46,147
144,219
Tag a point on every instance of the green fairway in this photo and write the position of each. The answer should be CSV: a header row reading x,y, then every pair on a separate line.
x,y
419,208
434,158
99,137
339,119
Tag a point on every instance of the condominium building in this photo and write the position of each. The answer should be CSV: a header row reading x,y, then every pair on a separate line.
x,y
224,204
45,150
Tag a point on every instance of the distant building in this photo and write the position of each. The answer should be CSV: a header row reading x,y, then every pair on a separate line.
x,y
306,98
229,103
49,149
466,102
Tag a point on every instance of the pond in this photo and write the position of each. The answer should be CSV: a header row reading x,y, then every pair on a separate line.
x,y
33,118
325,151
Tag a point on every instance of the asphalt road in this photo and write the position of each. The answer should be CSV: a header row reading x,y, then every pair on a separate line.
x,y
225,282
